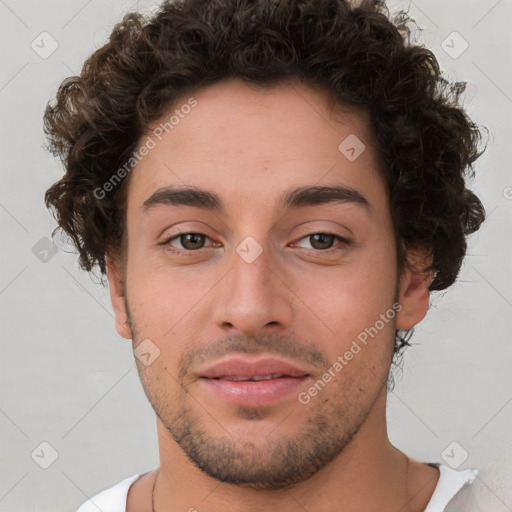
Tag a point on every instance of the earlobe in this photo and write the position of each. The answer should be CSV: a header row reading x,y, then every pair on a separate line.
x,y
414,292
117,297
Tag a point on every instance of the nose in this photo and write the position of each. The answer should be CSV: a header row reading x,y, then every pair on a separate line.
x,y
254,296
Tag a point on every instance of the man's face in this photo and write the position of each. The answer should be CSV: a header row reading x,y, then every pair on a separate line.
x,y
303,300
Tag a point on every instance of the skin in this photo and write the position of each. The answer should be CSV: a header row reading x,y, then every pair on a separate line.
x,y
248,145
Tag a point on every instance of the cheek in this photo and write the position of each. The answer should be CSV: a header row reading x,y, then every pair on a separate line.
x,y
347,299
164,300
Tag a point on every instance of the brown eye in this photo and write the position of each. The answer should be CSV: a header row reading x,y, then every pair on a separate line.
x,y
189,242
322,240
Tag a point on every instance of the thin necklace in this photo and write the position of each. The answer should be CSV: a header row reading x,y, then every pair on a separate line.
x,y
153,492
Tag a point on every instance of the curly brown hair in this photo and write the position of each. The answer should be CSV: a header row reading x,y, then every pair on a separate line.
x,y
425,141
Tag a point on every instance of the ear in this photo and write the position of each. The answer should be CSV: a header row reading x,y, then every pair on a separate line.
x,y
413,291
117,297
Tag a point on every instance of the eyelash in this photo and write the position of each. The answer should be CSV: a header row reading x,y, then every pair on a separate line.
x,y
344,243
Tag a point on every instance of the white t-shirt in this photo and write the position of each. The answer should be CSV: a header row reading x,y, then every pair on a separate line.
x,y
450,483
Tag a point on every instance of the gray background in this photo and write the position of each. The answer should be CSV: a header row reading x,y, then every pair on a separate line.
x,y
69,380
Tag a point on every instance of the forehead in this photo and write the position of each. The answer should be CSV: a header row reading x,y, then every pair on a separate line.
x,y
248,142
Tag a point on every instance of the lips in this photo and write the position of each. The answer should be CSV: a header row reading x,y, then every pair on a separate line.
x,y
243,382
255,378
242,369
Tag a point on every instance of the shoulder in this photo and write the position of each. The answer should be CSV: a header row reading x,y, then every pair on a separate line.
x,y
112,499
450,483
488,491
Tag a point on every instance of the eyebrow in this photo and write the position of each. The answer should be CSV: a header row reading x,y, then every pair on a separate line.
x,y
299,197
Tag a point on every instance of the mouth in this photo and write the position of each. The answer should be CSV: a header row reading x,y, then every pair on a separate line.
x,y
254,391
255,378
246,383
